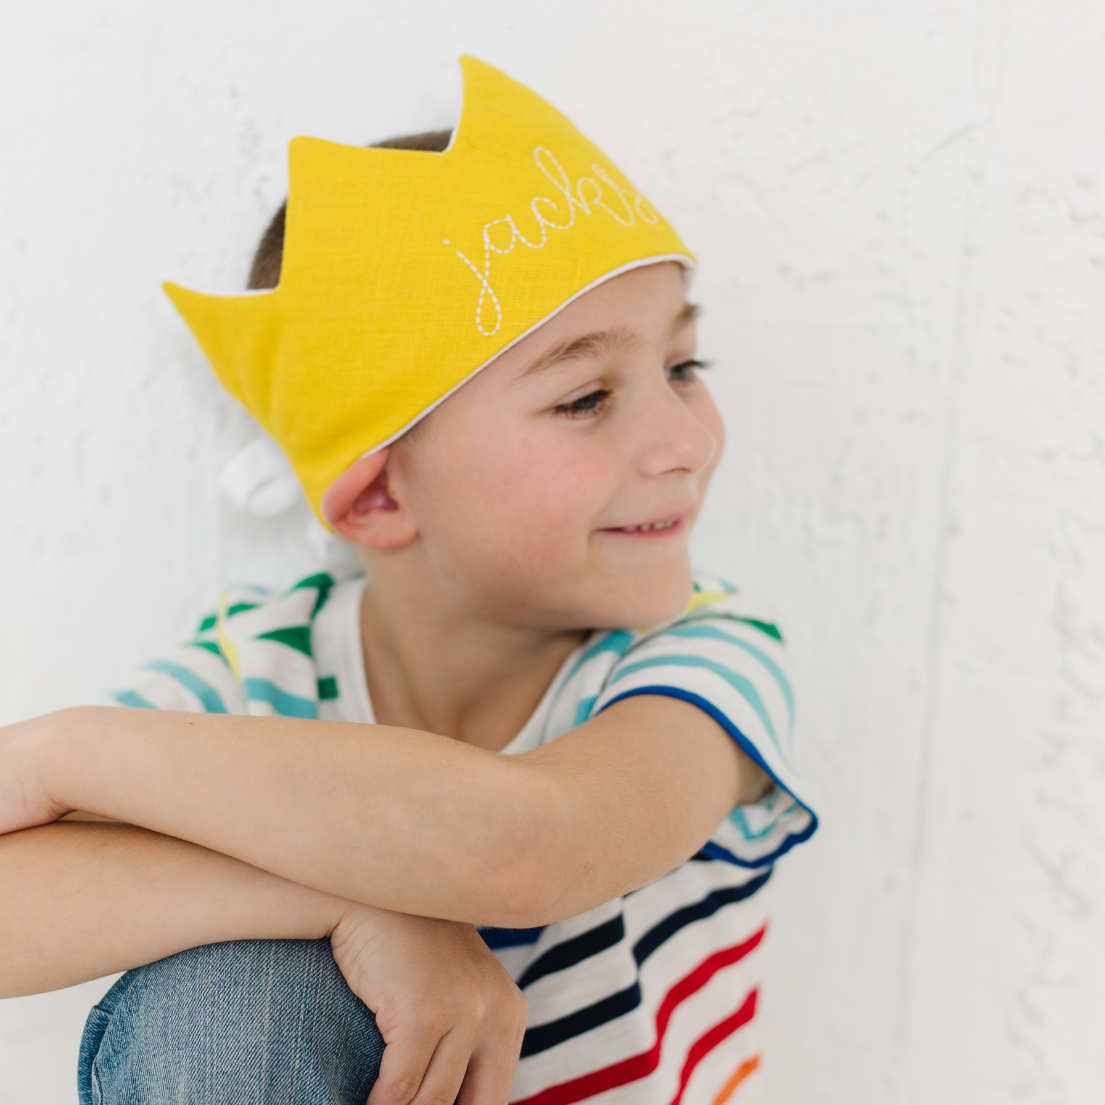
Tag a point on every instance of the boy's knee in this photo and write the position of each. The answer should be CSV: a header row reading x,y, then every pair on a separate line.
x,y
253,1022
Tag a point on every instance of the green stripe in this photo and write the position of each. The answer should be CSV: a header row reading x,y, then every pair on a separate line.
x,y
238,607
327,688
744,687
323,581
211,699
294,636
764,627
211,646
207,623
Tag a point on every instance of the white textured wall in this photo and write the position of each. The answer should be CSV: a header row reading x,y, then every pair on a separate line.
x,y
900,213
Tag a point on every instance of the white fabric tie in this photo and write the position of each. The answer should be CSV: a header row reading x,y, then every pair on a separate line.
x,y
260,480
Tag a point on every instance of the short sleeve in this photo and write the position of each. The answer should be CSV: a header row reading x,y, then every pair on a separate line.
x,y
726,661
193,677
253,655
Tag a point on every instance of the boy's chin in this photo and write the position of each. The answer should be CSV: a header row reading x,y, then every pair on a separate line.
x,y
645,602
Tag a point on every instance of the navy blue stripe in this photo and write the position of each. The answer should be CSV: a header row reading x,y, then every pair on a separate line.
x,y
709,905
574,951
510,938
549,1035
542,1037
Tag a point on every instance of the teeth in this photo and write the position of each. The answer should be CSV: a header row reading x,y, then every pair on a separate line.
x,y
647,526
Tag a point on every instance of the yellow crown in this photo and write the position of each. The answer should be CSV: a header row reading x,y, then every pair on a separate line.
x,y
406,272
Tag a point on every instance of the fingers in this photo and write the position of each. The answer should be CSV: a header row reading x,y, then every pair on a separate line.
x,y
466,1067
413,1074
490,1074
492,1065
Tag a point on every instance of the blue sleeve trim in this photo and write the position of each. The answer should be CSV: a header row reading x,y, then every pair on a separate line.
x,y
211,699
740,683
134,699
710,632
752,752
286,705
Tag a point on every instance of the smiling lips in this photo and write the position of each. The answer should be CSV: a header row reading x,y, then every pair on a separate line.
x,y
650,529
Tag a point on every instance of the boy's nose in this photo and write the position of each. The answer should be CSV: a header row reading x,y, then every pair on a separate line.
x,y
676,438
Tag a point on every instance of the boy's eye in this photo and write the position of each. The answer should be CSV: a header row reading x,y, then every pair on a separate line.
x,y
684,372
589,404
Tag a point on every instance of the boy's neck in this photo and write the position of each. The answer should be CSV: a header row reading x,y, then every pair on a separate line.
x,y
445,671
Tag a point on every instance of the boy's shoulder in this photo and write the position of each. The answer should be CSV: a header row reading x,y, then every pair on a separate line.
x,y
253,652
718,620
724,655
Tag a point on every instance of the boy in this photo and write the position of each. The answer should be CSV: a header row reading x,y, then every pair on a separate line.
x,y
481,364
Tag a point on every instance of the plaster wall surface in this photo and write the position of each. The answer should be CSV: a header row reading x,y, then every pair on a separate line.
x,y
899,211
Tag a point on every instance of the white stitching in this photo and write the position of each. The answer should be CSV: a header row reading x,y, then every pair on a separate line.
x,y
639,206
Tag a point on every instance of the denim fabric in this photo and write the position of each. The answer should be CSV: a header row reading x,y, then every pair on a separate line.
x,y
251,1022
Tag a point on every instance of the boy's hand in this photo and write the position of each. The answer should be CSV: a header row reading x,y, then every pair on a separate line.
x,y
24,802
449,1013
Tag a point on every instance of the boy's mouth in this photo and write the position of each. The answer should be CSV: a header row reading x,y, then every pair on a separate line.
x,y
665,527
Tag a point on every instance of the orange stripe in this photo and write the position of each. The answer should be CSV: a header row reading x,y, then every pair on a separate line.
x,y
739,1075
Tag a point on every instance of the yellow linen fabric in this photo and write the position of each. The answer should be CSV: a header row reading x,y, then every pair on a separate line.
x,y
405,272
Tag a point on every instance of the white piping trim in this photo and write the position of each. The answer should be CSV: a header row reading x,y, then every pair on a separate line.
x,y
688,274
243,293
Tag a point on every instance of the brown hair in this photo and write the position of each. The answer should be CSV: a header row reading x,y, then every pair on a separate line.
x,y
265,272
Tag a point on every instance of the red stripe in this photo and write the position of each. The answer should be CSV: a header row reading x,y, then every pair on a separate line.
x,y
642,1065
705,1044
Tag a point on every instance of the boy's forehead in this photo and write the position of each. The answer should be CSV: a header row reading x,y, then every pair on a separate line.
x,y
643,305
597,342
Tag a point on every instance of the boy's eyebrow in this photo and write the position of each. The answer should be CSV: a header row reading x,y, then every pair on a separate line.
x,y
601,341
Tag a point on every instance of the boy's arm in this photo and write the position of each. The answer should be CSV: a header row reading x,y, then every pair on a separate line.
x,y
84,900
398,818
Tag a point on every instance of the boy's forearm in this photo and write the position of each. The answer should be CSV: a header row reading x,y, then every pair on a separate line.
x,y
399,819
83,900
405,820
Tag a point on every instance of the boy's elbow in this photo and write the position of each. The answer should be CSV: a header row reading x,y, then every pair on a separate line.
x,y
532,883
525,897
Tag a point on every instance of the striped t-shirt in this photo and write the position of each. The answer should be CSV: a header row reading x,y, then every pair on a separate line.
x,y
649,999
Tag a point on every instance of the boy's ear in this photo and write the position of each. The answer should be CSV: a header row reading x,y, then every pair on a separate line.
x,y
359,505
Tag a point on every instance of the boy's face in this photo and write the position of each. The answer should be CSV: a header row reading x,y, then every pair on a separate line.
x,y
557,487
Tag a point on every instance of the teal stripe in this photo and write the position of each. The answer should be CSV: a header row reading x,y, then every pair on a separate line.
x,y
713,633
618,641
583,709
744,687
133,698
211,699
741,822
286,705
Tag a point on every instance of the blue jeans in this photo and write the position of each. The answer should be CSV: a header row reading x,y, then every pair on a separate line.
x,y
252,1022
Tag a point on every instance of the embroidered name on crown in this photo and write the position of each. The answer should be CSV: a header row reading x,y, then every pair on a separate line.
x,y
587,194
